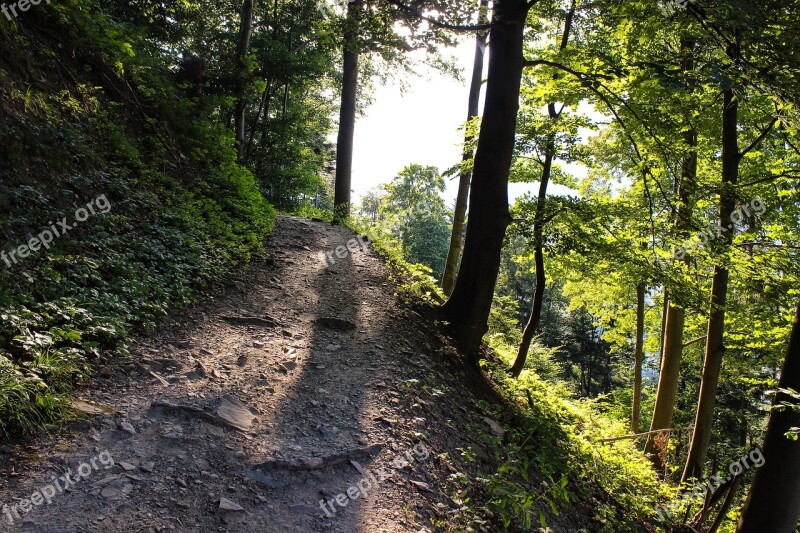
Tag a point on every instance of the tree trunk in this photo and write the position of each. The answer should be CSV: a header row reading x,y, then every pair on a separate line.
x,y
347,114
538,230
668,380
541,279
460,214
676,317
664,309
468,307
264,99
243,48
774,501
638,358
719,294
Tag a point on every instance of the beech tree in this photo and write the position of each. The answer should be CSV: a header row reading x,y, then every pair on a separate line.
x,y
469,305
372,30
347,114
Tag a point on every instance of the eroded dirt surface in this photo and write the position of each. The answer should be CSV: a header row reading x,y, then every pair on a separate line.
x,y
316,389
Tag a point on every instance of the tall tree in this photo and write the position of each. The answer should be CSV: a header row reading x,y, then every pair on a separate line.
x,y
719,291
773,503
638,358
715,348
347,114
242,49
676,315
460,215
469,305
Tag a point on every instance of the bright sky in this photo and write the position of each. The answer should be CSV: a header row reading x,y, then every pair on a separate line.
x,y
417,126
421,126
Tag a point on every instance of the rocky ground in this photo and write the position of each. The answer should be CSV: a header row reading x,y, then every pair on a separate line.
x,y
304,379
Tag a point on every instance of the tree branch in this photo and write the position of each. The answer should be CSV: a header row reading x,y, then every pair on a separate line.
x,y
770,178
408,10
761,137
578,74
596,91
636,436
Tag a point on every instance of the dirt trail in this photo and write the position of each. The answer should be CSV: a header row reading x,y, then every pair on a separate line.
x,y
315,387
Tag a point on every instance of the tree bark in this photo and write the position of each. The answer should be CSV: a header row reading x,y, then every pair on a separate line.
x,y
676,317
719,294
243,48
774,501
347,113
638,358
468,307
460,214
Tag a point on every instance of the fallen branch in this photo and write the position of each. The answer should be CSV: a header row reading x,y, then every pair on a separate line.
x,y
160,379
316,463
614,439
531,404
196,412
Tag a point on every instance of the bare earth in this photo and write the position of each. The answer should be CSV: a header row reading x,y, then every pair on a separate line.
x,y
316,390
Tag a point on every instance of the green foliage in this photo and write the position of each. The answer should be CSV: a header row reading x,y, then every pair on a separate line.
x,y
177,223
410,212
561,440
414,282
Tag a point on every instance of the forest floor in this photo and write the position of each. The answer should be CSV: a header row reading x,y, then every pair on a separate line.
x,y
299,360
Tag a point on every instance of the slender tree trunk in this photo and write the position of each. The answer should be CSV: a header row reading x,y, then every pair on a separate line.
x,y
460,214
538,296
347,114
265,131
243,48
676,317
638,359
468,307
264,98
668,380
589,374
774,501
664,309
538,230
719,294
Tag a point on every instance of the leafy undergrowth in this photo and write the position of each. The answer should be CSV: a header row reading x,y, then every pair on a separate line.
x,y
101,125
415,282
554,471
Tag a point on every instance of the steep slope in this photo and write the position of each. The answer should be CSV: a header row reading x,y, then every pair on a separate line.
x,y
118,201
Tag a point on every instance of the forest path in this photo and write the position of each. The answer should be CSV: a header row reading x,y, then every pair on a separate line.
x,y
317,388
